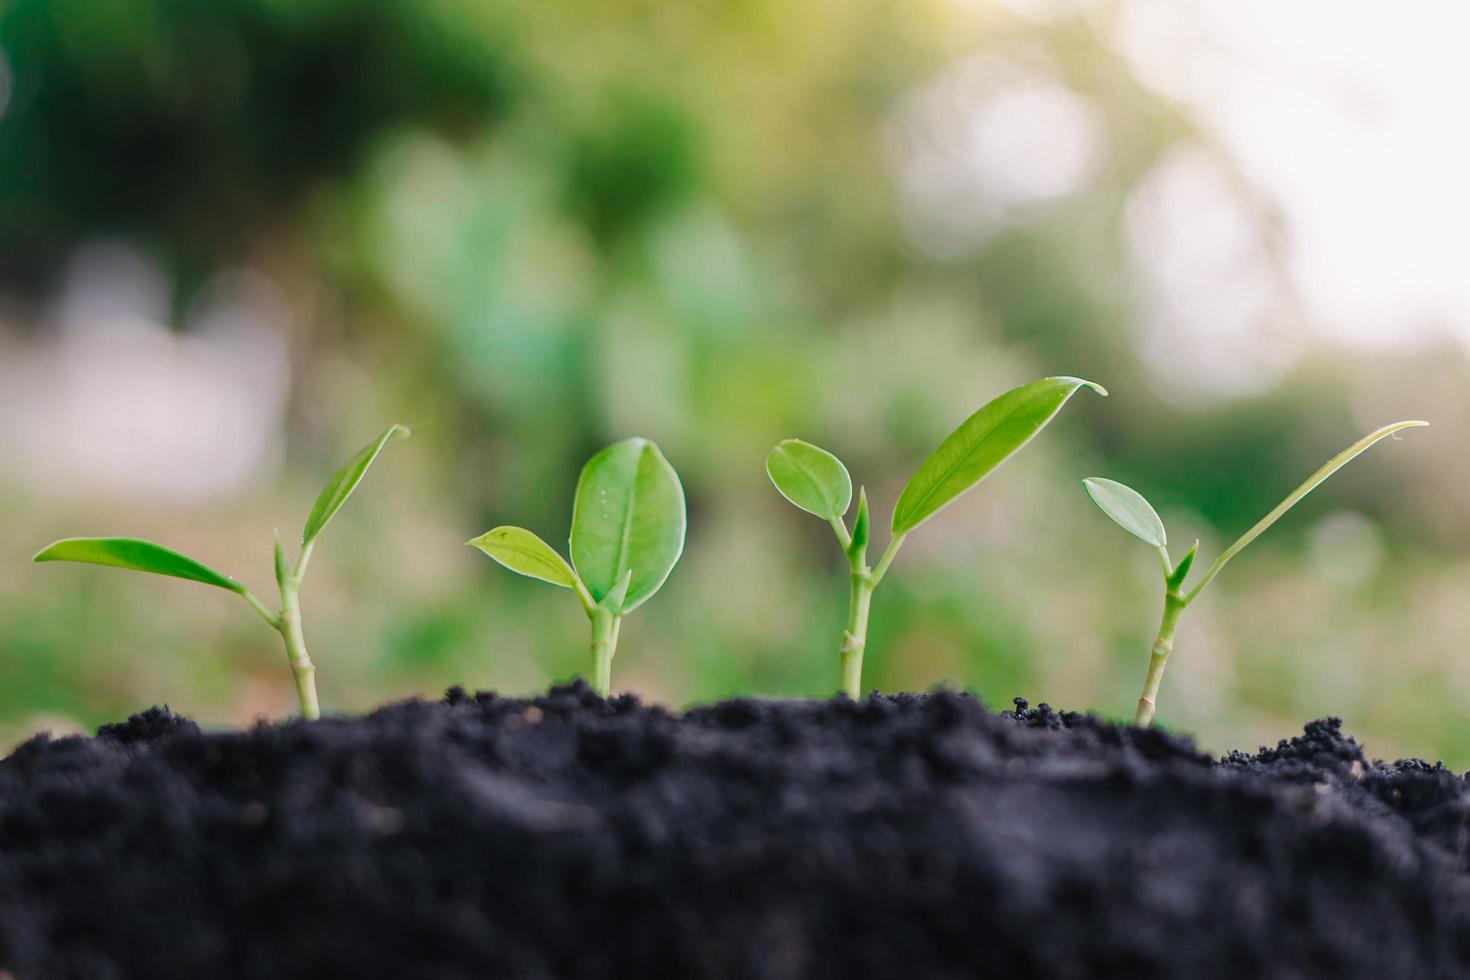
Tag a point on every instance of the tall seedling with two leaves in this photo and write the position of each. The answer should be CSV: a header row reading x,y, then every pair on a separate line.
x,y
1135,515
817,482
627,535
146,556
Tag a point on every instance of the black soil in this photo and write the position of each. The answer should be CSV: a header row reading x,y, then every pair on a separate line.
x,y
567,836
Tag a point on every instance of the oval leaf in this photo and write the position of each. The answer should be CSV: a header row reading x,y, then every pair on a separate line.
x,y
628,516
1127,507
340,487
984,441
138,555
523,552
811,478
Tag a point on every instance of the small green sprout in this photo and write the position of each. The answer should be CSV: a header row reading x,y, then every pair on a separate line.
x,y
627,535
817,482
145,556
1135,515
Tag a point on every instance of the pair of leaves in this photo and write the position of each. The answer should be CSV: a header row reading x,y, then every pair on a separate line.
x,y
146,556
817,482
628,526
1135,515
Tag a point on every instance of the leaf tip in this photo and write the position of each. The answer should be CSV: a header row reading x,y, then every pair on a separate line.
x,y
1080,383
618,594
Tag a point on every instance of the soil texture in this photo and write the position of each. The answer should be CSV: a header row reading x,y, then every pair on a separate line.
x,y
908,836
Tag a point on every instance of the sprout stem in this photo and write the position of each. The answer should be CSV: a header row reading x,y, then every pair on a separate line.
x,y
889,554
1174,603
860,598
264,613
302,669
855,637
604,647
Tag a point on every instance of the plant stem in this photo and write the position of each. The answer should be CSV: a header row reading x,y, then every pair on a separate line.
x,y
855,637
1174,603
272,620
302,669
604,647
860,598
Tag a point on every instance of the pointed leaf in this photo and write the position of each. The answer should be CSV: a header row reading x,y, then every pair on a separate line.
x,y
1330,467
523,552
984,441
616,597
860,529
283,564
1181,571
628,516
811,478
137,555
1127,507
340,487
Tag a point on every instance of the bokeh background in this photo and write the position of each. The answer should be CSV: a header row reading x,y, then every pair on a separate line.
x,y
239,237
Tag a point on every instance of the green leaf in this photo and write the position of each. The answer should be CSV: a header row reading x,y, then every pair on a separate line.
x,y
1127,507
618,595
859,544
984,441
1181,571
523,552
1330,467
811,478
628,516
138,555
340,487
283,564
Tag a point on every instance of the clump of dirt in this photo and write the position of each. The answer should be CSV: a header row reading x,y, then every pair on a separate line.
x,y
571,836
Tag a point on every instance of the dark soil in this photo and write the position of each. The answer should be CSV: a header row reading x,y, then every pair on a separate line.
x,y
567,836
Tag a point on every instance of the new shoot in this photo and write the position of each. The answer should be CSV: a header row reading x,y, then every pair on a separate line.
x,y
627,535
145,556
817,482
1135,515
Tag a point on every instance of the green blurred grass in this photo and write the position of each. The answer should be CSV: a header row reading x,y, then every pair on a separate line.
x,y
533,229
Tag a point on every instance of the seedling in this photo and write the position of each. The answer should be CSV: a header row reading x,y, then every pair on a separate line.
x,y
817,482
145,556
1135,515
627,535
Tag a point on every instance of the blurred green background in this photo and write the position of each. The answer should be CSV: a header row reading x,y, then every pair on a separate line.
x,y
239,237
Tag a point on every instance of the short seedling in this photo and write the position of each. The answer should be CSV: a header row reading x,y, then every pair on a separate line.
x,y
145,556
1136,516
817,482
627,535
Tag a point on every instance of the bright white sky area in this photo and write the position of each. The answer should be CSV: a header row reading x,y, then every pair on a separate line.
x,y
1343,118
1352,116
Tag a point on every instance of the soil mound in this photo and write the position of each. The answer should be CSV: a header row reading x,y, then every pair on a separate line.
x,y
568,836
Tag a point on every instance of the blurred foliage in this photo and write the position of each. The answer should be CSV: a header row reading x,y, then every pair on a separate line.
x,y
530,229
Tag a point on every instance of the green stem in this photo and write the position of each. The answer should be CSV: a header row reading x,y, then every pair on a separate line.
x,y
1174,604
271,618
889,554
604,647
862,581
302,669
855,637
